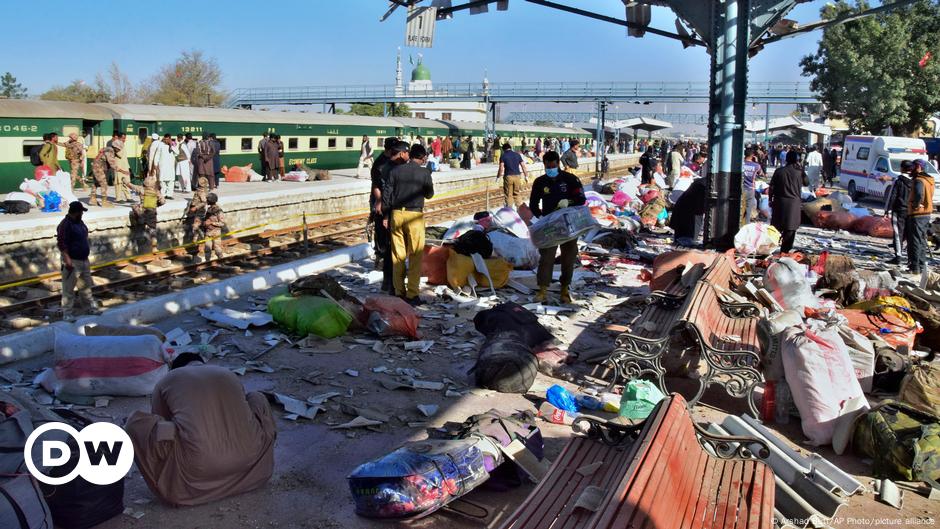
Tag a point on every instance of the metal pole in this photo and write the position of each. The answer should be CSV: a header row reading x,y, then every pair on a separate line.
x,y
727,105
767,126
306,242
599,136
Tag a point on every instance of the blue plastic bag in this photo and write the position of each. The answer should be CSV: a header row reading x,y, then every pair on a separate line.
x,y
562,399
51,201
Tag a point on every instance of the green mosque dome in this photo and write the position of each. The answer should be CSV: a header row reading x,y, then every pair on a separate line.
x,y
420,73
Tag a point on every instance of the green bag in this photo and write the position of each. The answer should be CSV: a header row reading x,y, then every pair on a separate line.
x,y
903,442
309,315
639,398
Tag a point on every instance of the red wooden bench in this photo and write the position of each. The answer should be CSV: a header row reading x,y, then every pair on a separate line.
x,y
724,274
725,333
655,475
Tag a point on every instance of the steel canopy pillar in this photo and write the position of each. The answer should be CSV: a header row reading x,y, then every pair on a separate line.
x,y
599,135
727,104
489,125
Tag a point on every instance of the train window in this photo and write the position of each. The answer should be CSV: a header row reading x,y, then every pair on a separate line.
x,y
420,115
380,143
142,133
246,144
28,146
349,143
446,116
291,143
331,143
314,144
221,144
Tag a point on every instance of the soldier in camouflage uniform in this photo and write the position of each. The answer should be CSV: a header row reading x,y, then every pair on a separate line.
x,y
75,154
195,213
213,223
99,168
146,211
122,171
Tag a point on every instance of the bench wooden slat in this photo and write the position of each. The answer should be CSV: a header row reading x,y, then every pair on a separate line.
x,y
639,507
577,454
690,488
663,480
727,512
695,501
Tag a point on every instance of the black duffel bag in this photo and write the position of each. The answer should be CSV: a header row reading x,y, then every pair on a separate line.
x,y
505,364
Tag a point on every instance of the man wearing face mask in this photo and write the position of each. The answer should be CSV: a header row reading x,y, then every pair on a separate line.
x,y
554,190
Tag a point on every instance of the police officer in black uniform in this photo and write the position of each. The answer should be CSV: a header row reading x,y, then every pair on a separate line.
x,y
395,153
554,190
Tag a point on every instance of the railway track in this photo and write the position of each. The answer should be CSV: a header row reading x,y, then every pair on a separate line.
x,y
169,270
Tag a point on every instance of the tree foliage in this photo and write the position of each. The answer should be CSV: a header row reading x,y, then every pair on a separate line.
x,y
374,109
868,70
116,84
10,88
77,92
192,80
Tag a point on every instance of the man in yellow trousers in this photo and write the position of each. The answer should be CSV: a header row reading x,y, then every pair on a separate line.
x,y
405,190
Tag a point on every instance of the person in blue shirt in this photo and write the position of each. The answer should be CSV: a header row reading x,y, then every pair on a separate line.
x,y
512,169
750,172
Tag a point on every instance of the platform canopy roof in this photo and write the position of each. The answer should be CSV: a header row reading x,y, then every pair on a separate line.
x,y
790,122
647,124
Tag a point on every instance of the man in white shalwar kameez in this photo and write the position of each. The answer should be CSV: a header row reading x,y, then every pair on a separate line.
x,y
163,165
184,169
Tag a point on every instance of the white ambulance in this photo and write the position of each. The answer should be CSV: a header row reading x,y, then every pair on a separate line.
x,y
870,164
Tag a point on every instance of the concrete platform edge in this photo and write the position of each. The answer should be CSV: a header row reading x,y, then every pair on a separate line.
x,y
34,342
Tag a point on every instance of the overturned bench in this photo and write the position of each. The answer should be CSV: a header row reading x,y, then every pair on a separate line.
x,y
664,473
725,333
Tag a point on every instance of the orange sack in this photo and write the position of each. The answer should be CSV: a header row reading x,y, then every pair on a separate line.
x,y
434,264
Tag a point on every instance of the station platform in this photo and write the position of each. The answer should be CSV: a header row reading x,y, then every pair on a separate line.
x,y
28,245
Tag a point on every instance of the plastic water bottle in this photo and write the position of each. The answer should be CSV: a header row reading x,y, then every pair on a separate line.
x,y
769,402
589,402
782,404
556,415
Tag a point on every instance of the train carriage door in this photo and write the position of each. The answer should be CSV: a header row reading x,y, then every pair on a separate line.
x,y
144,130
91,137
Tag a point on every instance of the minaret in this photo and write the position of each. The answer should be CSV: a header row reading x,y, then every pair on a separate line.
x,y
399,88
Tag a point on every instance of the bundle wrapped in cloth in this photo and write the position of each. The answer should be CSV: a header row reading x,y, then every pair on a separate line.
x,y
561,226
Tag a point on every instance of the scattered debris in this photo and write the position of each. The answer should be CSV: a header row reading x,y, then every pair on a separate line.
x,y
358,422
428,409
236,318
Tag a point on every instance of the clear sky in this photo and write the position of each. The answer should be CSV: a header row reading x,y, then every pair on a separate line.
x,y
331,42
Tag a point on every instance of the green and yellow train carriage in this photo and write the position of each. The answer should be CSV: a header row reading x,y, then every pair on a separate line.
x,y
322,141
22,124
325,141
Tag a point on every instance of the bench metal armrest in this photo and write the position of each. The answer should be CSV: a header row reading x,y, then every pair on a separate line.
x,y
731,446
671,301
607,432
741,310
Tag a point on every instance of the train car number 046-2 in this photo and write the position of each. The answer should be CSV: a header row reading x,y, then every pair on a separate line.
x,y
19,128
